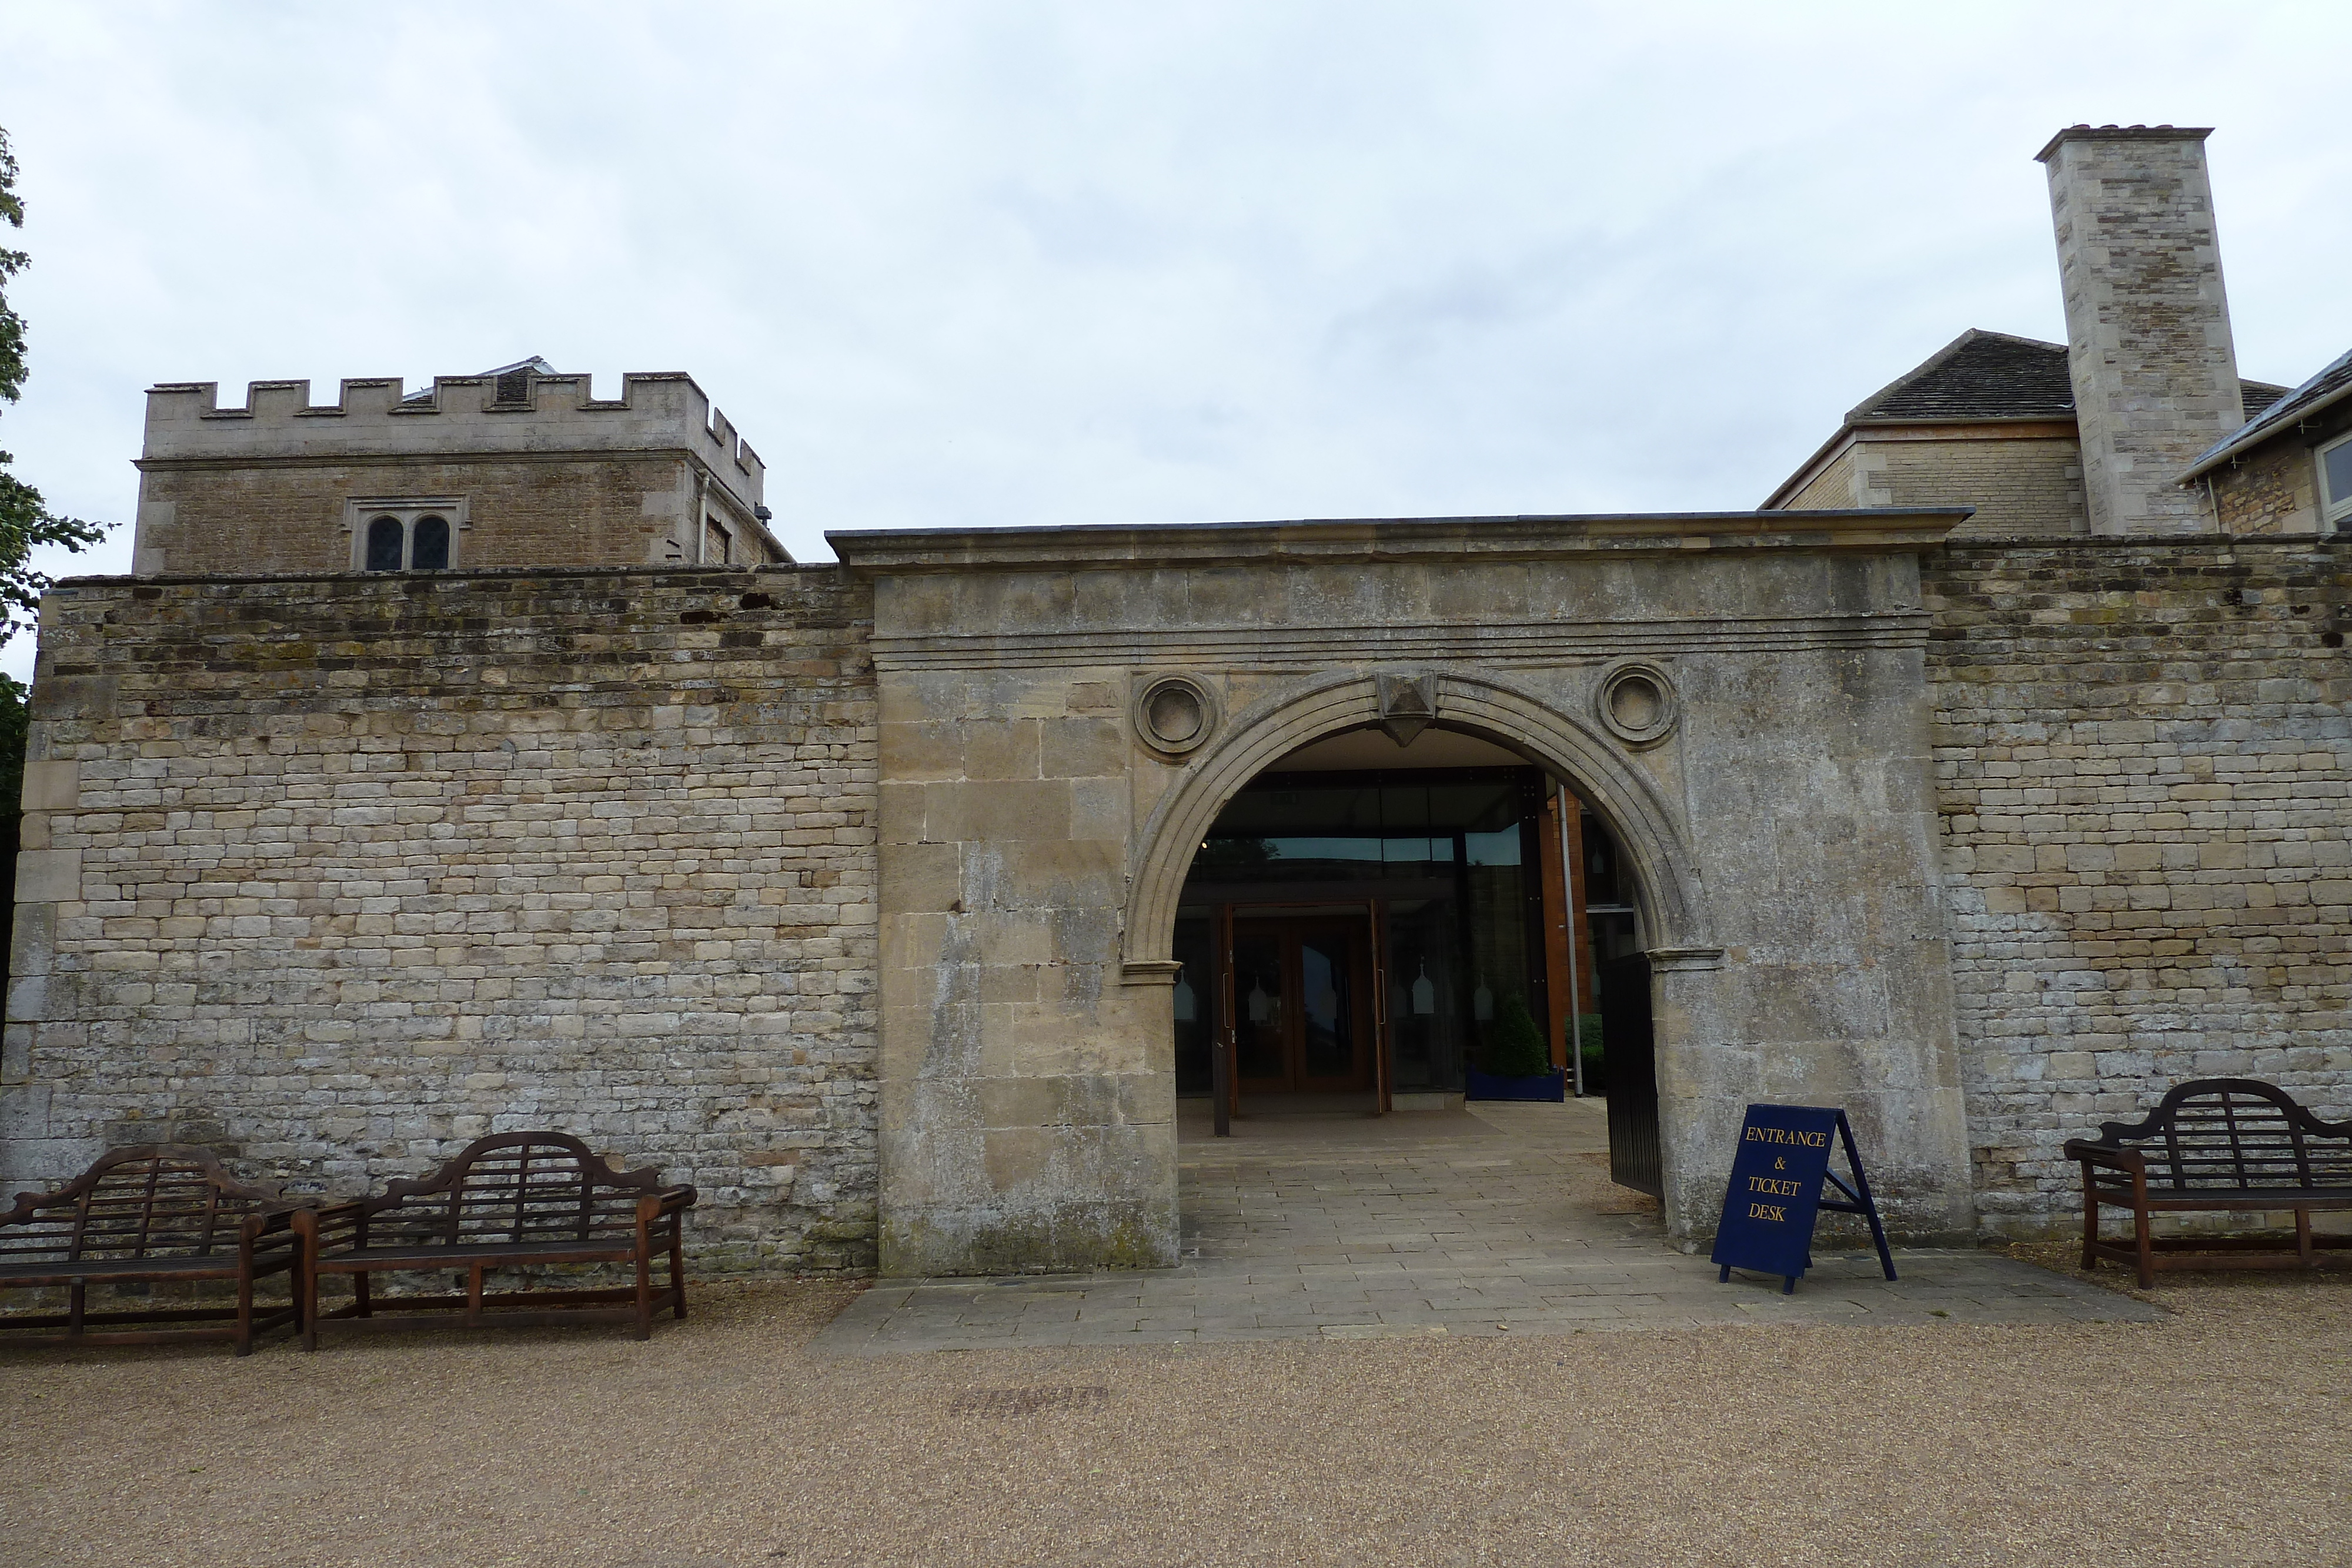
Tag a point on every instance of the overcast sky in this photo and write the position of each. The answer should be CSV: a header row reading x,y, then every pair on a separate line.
x,y
963,264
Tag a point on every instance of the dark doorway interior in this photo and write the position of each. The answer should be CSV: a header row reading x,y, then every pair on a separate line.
x,y
1358,939
1439,872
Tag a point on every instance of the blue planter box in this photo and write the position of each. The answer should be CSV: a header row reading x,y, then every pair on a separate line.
x,y
1552,1085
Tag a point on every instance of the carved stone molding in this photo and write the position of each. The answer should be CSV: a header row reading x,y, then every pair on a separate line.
x,y
1671,960
1637,703
1407,704
1173,713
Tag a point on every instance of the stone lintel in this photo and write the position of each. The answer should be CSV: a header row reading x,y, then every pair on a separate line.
x,y
1339,541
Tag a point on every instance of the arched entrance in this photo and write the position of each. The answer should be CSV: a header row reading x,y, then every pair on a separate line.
x,y
1063,713
1600,770
1396,918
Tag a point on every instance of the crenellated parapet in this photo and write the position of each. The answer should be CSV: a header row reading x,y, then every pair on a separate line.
x,y
458,416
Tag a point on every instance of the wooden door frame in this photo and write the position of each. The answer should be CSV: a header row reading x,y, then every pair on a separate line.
x,y
1224,1076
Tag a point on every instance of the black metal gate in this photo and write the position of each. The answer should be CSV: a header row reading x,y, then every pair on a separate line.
x,y
1631,1049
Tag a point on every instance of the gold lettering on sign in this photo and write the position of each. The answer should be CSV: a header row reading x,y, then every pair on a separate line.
x,y
1766,1211
1786,1135
1774,1185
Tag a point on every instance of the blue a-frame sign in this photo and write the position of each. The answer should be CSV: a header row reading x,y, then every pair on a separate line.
x,y
1775,1192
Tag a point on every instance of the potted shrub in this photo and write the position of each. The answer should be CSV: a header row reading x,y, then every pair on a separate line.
x,y
1596,1059
1518,1066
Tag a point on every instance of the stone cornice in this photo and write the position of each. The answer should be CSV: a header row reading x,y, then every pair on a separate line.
x,y
327,458
1115,546
1529,643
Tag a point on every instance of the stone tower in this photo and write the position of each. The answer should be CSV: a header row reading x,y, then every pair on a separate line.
x,y
2147,324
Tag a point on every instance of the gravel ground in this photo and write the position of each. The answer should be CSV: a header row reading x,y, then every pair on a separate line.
x,y
2221,1434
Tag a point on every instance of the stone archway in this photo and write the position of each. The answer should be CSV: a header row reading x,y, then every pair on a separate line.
x,y
1063,711
1669,891
1672,907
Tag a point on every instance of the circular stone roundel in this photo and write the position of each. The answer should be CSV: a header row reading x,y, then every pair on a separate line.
x,y
1174,714
1637,704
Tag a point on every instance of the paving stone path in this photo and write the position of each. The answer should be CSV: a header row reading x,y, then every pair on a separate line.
x,y
1497,1220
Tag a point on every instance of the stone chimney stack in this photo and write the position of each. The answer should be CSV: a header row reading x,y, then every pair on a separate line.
x,y
2148,325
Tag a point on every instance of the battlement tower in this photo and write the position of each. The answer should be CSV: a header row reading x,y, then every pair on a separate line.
x,y
518,467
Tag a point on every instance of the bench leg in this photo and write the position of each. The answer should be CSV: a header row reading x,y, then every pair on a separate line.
x,y
678,1270
2144,1232
359,1295
244,1307
2090,1224
306,1295
644,1293
474,1297
76,1303
2303,1245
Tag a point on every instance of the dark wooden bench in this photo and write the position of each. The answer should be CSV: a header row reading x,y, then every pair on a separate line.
x,y
516,1200
153,1214
2215,1145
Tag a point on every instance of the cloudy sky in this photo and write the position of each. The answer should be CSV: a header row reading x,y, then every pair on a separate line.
x,y
954,265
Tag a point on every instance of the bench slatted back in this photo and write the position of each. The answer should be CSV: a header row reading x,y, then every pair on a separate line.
x,y
515,1188
157,1201
2223,1133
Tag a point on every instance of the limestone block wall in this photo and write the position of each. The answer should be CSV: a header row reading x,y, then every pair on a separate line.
x,y
522,512
1034,841
2022,484
1029,1111
1832,486
338,874
2025,487
2274,489
2144,764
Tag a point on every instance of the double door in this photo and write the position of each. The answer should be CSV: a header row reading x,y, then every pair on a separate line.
x,y
1300,1004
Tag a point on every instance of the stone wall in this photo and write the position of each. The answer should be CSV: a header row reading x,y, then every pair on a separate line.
x,y
2145,763
2021,484
1833,487
555,510
1035,840
338,874
2274,489
2020,487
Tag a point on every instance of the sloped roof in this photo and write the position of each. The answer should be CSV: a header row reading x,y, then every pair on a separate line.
x,y
2329,387
534,365
1991,375
1977,375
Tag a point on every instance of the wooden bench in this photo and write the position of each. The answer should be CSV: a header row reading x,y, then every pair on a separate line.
x,y
2216,1145
153,1214
516,1200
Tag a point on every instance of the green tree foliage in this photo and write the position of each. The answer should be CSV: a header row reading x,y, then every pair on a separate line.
x,y
1517,1049
26,522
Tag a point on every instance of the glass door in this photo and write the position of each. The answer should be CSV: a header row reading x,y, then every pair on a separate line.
x,y
1302,1004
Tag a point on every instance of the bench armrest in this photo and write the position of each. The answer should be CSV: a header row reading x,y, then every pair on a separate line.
x,y
270,1230
332,1226
2110,1156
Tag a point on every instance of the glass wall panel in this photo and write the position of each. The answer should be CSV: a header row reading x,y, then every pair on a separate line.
x,y
1425,1022
1195,1001
1449,859
1259,1002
